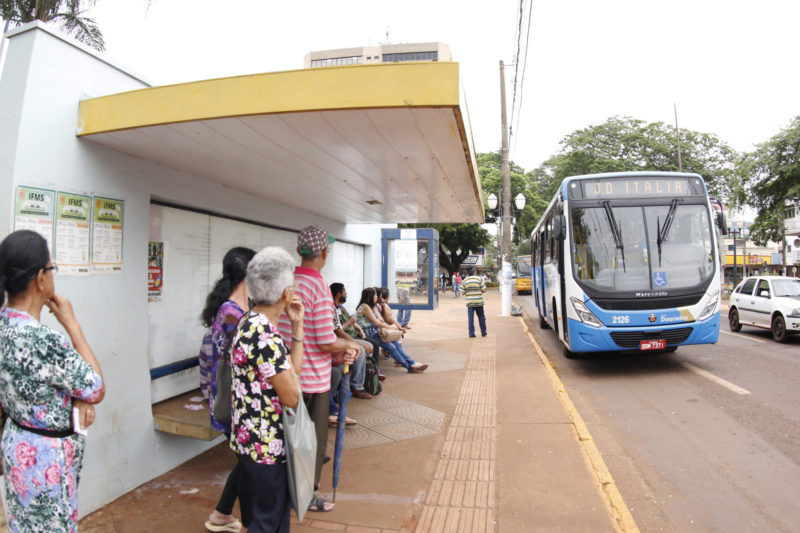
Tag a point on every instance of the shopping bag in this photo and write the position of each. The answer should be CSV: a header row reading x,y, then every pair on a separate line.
x,y
300,443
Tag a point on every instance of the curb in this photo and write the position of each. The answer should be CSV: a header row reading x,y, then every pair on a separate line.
x,y
622,518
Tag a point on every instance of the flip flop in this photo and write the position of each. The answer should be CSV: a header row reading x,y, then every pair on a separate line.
x,y
230,527
333,420
318,506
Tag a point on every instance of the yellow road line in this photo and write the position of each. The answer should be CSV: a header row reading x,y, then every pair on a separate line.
x,y
623,520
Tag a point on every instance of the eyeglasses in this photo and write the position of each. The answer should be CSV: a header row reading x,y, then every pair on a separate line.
x,y
53,267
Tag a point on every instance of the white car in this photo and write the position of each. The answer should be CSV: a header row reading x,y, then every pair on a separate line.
x,y
771,302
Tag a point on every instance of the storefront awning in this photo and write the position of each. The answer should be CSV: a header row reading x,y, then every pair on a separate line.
x,y
369,143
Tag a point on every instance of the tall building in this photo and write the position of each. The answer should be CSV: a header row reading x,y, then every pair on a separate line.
x,y
385,53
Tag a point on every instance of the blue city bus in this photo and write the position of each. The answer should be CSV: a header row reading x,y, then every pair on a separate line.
x,y
628,261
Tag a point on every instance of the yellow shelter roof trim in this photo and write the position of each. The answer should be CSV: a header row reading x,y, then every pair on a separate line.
x,y
332,88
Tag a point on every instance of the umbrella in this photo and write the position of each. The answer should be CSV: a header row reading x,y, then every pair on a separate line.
x,y
344,398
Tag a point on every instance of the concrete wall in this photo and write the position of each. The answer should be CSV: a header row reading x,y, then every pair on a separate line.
x,y
45,77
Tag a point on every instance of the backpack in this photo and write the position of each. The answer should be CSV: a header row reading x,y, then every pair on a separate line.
x,y
372,383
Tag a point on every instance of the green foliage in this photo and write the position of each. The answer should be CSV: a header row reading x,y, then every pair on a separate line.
x,y
456,242
627,144
68,13
771,181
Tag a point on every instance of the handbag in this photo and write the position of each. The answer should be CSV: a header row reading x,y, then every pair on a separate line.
x,y
224,380
300,443
389,334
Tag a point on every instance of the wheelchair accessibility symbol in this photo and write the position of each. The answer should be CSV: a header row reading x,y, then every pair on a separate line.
x,y
660,279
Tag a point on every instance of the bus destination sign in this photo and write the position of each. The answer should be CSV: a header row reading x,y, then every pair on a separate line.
x,y
635,187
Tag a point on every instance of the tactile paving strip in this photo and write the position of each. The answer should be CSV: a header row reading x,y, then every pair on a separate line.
x,y
462,494
386,418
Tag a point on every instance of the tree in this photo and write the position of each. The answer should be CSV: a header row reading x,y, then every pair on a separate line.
x,y
67,13
456,242
628,144
771,178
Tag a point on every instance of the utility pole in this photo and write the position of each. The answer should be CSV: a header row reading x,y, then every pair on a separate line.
x,y
505,206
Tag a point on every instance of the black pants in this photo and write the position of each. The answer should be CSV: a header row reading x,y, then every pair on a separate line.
x,y
318,406
264,496
231,489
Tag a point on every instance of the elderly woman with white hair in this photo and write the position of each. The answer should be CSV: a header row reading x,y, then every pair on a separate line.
x,y
264,382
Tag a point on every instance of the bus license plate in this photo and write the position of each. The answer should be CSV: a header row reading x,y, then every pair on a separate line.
x,y
657,344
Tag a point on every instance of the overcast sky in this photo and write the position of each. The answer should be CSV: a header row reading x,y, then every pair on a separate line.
x,y
730,66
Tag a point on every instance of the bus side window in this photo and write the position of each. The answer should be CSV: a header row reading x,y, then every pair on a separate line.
x,y
547,241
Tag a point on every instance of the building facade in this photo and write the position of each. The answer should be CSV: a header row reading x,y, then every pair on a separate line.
x,y
385,53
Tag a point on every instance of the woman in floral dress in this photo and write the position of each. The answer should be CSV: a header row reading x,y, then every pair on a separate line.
x,y
42,377
225,305
264,381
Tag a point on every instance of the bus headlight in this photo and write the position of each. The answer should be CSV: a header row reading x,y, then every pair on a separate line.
x,y
584,314
711,307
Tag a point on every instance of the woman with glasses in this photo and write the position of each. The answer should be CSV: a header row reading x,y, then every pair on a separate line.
x,y
43,377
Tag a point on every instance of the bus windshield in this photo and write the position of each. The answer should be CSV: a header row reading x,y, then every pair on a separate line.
x,y
654,247
524,266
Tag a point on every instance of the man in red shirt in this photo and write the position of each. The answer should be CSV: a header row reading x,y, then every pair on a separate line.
x,y
319,340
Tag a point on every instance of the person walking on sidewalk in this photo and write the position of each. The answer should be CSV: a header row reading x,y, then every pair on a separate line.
x,y
320,342
474,287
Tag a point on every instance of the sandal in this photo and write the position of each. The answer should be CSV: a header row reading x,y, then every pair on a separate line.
x,y
334,420
230,527
318,505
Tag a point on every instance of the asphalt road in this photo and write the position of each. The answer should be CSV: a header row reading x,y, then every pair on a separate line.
x,y
703,439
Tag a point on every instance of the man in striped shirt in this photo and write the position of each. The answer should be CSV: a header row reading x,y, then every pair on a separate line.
x,y
319,340
474,287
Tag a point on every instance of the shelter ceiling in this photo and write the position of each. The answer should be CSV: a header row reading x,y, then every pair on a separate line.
x,y
371,143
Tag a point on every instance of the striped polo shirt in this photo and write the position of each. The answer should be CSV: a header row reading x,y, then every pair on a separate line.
x,y
473,287
317,329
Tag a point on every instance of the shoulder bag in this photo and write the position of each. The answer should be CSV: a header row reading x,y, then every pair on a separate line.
x,y
224,380
389,334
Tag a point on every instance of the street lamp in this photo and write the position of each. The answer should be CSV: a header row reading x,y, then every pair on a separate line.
x,y
492,201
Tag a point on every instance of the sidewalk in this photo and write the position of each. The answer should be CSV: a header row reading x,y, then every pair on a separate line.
x,y
479,442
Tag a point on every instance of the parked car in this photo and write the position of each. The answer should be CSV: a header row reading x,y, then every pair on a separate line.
x,y
771,302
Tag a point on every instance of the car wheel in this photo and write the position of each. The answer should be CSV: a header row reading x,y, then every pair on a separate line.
x,y
779,329
733,320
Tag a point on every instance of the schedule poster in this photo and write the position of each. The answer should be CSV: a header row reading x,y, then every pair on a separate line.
x,y
155,271
107,224
33,210
73,220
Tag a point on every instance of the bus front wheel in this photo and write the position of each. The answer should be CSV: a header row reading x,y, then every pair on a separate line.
x,y
542,321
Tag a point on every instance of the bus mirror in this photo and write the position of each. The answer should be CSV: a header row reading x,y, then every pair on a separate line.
x,y
721,223
559,227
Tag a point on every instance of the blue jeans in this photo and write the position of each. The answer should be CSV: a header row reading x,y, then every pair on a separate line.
x,y
394,349
404,316
471,319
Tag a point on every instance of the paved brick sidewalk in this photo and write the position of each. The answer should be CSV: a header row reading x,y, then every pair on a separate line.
x,y
479,442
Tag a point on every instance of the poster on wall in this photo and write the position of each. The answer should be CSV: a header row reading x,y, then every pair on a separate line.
x,y
405,255
73,220
155,271
107,224
33,210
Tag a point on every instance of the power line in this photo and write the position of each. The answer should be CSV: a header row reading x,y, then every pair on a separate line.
x,y
524,68
519,78
516,58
